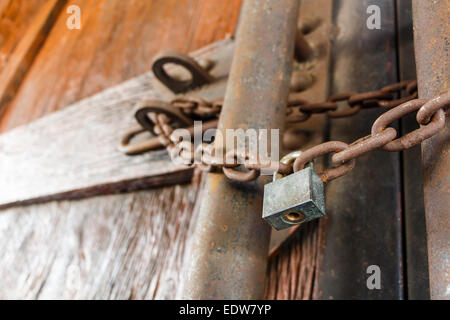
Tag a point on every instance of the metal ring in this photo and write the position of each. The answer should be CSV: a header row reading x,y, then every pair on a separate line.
x,y
297,116
318,107
362,98
188,102
197,106
345,112
295,100
395,87
293,112
199,76
241,176
411,87
287,161
138,147
186,105
234,174
364,145
429,108
395,103
198,155
320,150
158,107
414,137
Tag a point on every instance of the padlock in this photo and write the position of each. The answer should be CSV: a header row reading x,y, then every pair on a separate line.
x,y
294,199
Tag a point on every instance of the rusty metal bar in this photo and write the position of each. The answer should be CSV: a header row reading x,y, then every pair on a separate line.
x,y
416,258
363,207
431,39
230,243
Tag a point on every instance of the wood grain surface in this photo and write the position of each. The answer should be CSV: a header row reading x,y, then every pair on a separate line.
x,y
74,152
18,50
116,42
128,246
15,18
117,246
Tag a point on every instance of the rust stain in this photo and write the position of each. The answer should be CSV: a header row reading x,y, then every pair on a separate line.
x,y
431,25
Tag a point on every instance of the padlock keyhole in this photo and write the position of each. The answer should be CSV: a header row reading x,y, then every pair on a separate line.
x,y
294,217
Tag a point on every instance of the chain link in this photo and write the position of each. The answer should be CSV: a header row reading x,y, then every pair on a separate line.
x,y
431,116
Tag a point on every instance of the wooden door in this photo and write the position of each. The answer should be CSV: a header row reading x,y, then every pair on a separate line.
x,y
80,220
105,244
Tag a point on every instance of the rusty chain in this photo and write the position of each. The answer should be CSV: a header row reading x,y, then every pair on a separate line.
x,y
431,116
173,141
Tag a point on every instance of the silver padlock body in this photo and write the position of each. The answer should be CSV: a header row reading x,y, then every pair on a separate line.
x,y
294,199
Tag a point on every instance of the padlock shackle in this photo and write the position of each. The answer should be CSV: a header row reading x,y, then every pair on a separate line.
x,y
288,160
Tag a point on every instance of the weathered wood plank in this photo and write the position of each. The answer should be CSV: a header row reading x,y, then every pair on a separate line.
x,y
128,246
292,273
19,54
74,151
